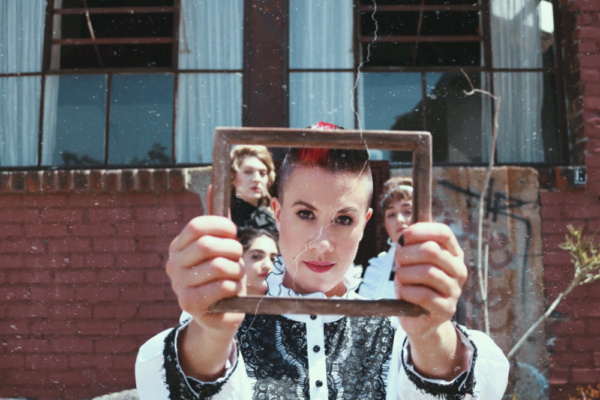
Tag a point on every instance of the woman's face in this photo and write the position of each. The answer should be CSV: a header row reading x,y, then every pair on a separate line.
x,y
321,221
250,182
397,217
258,261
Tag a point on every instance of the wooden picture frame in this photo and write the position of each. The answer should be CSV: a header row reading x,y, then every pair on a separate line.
x,y
416,142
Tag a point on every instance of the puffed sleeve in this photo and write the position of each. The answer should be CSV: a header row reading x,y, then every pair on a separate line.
x,y
158,374
486,378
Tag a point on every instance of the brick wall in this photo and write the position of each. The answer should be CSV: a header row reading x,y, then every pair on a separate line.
x,y
574,330
82,283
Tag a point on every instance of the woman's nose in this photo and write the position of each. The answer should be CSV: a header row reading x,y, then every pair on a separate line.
x,y
322,243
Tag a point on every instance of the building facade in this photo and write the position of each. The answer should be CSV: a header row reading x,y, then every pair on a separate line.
x,y
107,110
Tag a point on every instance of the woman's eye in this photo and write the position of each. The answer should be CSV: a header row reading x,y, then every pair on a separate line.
x,y
305,214
256,256
263,173
344,220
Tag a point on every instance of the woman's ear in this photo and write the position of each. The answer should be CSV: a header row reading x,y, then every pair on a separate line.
x,y
276,206
368,217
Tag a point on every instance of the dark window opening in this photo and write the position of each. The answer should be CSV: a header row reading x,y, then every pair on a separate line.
x,y
113,34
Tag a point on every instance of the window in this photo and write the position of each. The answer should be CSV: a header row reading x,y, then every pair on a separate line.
x,y
106,92
407,69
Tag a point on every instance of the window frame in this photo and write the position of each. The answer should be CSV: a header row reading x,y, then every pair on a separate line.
x,y
488,69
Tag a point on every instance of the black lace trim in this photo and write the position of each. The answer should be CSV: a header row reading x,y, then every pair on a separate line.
x,y
358,352
178,384
464,384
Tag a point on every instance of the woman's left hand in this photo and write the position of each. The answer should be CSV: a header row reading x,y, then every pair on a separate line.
x,y
431,273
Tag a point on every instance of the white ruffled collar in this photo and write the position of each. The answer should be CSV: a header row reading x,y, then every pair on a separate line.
x,y
352,280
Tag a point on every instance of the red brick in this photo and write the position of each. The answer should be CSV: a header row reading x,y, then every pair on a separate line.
x,y
12,362
113,181
117,344
123,362
11,231
100,260
81,180
76,276
22,246
27,310
70,311
160,180
139,260
27,345
12,201
588,309
587,47
156,214
590,75
138,294
44,261
584,375
11,261
142,327
569,328
14,327
119,276
98,328
127,181
97,181
72,344
138,229
144,180
90,361
47,361
64,180
14,293
96,294
597,358
559,376
158,276
46,230
70,245
160,311
140,199
61,215
52,293
110,215
58,327
580,360
33,181
93,229
592,326
71,379
19,181
176,180
586,344
123,312
148,244
91,200
19,215
120,245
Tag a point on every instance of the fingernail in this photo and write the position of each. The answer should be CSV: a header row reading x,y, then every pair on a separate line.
x,y
401,240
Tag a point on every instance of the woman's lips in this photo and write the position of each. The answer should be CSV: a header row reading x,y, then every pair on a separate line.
x,y
319,266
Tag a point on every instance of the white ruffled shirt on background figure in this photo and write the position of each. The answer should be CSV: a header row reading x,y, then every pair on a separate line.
x,y
319,357
376,283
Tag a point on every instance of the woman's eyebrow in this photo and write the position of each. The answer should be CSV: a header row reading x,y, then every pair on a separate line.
x,y
258,251
347,210
303,203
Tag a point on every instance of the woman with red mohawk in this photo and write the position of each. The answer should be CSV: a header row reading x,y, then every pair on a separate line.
x,y
321,212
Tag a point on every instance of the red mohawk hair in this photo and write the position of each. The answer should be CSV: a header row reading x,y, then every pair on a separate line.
x,y
313,155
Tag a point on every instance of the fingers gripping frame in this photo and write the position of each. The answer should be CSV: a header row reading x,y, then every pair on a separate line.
x,y
418,143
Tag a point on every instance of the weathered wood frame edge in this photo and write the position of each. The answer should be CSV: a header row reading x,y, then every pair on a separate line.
x,y
416,142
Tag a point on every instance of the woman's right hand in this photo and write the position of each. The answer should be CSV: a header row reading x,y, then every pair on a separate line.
x,y
204,267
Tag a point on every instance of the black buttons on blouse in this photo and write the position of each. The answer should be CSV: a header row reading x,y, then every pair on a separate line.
x,y
319,383
316,349
313,317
